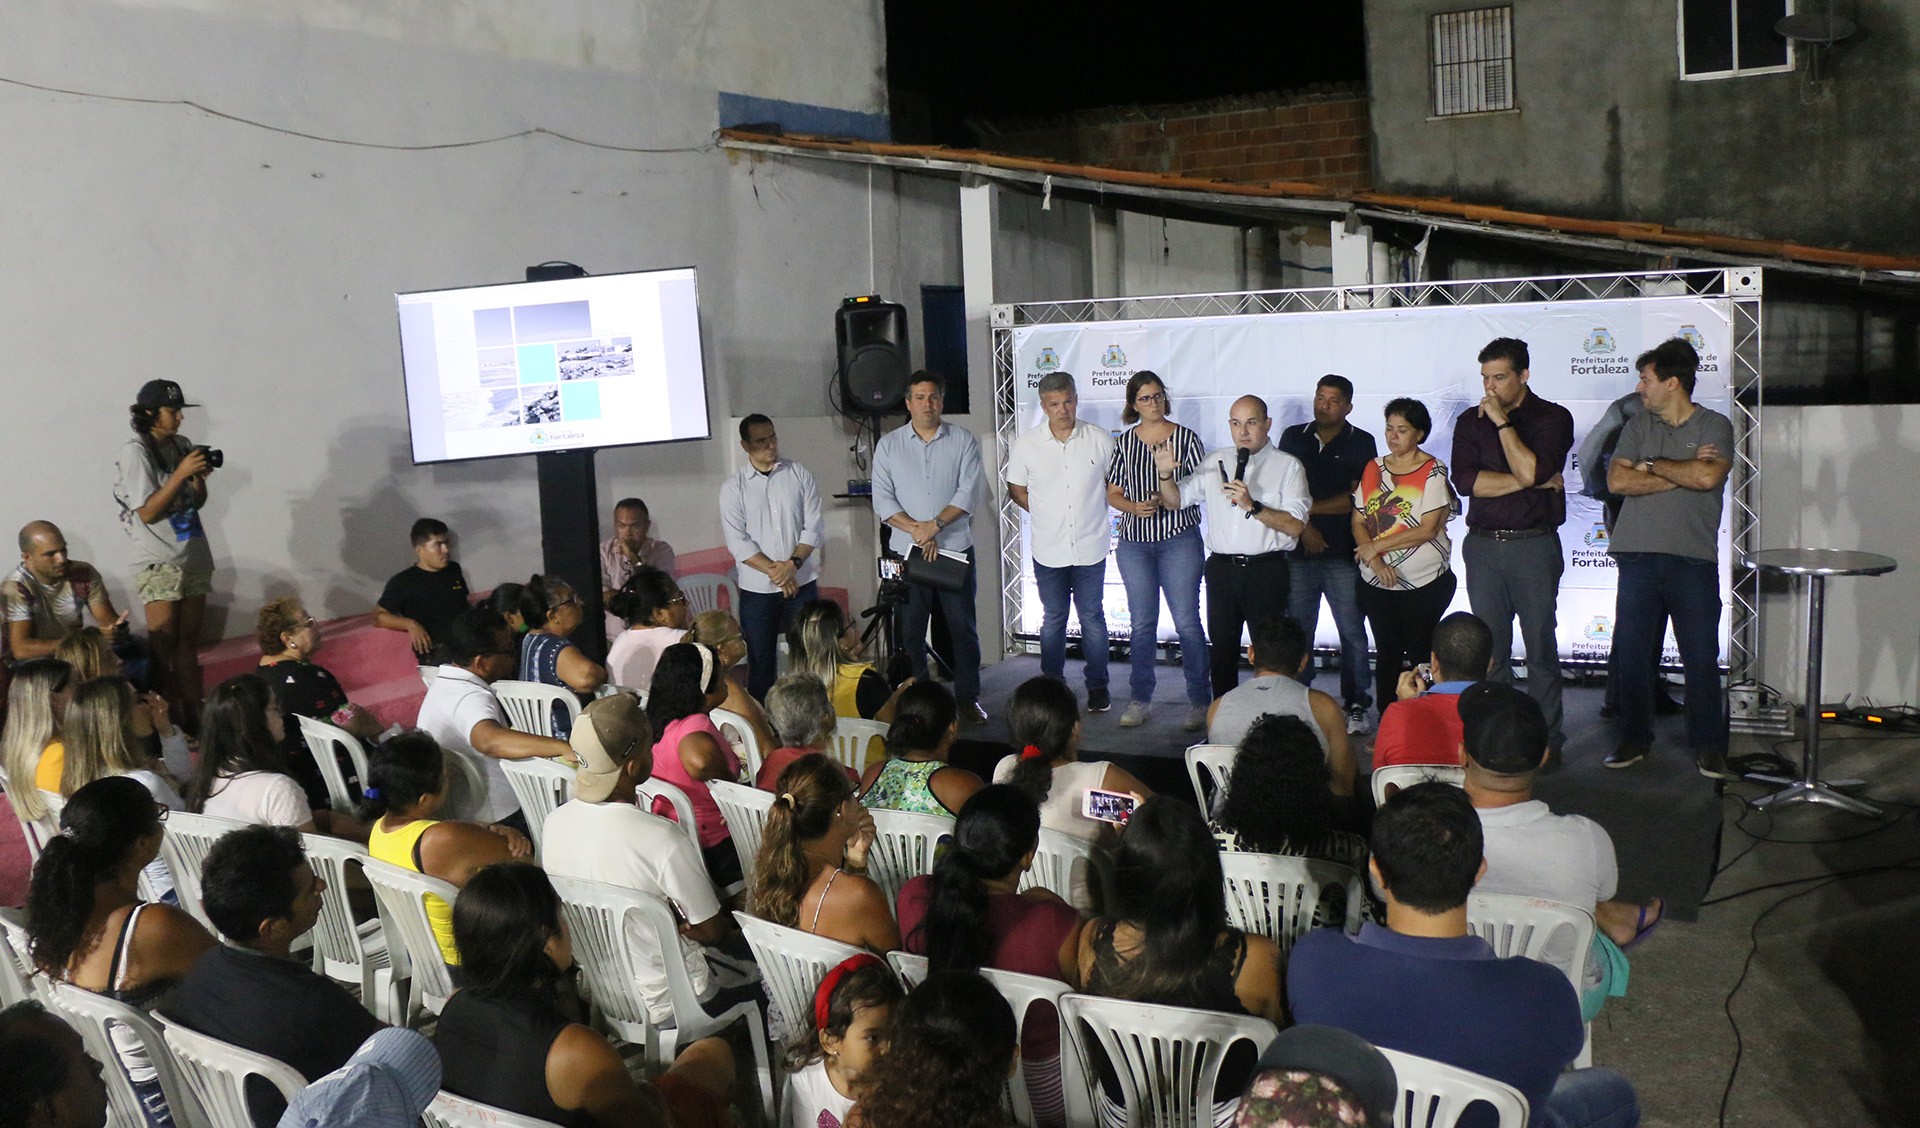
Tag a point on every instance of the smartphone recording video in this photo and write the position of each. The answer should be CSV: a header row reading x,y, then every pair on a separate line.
x,y
1107,806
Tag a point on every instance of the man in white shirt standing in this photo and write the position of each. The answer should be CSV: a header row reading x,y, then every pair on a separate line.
x,y
1057,473
770,513
1255,510
463,715
600,835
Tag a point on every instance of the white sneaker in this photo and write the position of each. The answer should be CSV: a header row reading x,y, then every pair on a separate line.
x,y
1196,719
1136,714
1357,720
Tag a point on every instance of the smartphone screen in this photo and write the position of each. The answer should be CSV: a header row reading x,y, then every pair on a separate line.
x,y
1107,806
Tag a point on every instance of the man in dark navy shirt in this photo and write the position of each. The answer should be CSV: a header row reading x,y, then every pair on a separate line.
x,y
1424,985
425,599
1508,454
1334,452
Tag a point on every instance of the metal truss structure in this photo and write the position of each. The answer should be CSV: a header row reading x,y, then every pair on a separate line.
x,y
1740,286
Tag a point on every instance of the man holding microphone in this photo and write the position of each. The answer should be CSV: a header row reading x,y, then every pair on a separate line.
x,y
1255,516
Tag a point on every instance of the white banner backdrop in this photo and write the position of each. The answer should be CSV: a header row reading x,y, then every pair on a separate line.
x,y
1582,358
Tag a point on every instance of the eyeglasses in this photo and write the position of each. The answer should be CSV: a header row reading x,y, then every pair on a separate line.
x,y
1151,397
160,811
676,599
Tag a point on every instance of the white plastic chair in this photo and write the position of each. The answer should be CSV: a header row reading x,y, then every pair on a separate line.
x,y
1208,766
343,949
735,728
185,845
529,705
322,738
427,674
217,1072
1021,993
93,1016
703,593
37,832
19,979
853,739
449,1111
745,810
911,968
792,964
597,915
1548,931
541,786
1274,895
1406,775
1167,1058
416,959
1057,861
903,847
1434,1094
650,789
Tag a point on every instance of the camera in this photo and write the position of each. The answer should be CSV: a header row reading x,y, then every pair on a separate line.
x,y
216,457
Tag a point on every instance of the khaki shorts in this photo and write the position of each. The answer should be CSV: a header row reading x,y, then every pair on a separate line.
x,y
170,583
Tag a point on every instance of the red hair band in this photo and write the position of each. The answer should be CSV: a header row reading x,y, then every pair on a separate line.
x,y
823,996
1032,752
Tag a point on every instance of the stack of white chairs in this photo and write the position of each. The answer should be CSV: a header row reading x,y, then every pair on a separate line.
x,y
217,1072
322,740
1435,1095
1275,895
1167,1058
598,918
412,952
542,786
530,705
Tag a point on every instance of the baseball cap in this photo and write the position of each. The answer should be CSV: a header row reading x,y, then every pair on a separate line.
x,y
606,735
1503,728
162,393
1359,1074
389,1081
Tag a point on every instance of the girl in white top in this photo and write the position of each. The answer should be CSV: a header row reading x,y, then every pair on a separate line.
x,y
243,771
656,616
851,1008
1044,718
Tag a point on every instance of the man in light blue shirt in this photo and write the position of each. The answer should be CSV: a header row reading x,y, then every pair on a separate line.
x,y
770,513
925,479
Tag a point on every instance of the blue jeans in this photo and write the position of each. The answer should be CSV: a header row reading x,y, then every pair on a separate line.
x,y
1334,577
1655,586
763,616
1590,1098
1172,566
957,608
1085,585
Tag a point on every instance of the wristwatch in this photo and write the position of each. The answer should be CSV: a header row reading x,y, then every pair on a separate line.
x,y
1257,507
1504,426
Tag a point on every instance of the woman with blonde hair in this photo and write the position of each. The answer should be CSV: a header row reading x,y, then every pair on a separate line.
x,y
100,742
36,705
810,872
821,643
90,653
87,651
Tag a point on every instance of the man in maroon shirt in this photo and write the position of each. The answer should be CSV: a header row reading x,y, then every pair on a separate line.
x,y
1508,454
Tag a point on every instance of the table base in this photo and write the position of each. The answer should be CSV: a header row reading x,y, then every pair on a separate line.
x,y
1814,791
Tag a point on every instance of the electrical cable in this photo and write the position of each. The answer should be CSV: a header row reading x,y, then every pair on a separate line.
x,y
535,131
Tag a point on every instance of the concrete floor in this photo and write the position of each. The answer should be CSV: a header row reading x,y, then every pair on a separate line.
x,y
1826,999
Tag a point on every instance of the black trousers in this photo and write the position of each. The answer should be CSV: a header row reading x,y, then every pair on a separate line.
x,y
1402,623
1240,589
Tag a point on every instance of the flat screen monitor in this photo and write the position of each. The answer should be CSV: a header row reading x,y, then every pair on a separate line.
x,y
567,364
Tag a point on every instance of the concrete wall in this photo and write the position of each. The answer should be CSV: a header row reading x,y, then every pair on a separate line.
x,y
257,268
1605,128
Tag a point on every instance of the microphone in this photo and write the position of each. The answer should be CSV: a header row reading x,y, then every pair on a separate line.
x,y
1240,457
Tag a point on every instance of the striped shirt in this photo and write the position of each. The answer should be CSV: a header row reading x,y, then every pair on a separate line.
x,y
1133,471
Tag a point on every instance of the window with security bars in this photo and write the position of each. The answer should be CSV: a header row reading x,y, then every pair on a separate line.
x,y
1473,61
1723,38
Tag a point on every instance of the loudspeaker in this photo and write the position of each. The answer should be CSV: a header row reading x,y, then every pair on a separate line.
x,y
874,358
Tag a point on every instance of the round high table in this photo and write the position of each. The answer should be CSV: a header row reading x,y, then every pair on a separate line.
x,y
1817,565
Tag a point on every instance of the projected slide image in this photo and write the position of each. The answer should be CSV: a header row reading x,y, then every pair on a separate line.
x,y
497,368
553,321
580,402
541,405
591,360
481,410
539,364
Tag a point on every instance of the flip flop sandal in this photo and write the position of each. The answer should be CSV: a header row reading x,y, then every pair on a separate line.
x,y
1641,928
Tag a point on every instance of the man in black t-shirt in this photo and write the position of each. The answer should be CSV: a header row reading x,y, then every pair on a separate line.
x,y
425,599
262,894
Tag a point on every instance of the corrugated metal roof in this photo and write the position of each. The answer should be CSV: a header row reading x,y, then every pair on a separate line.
x,y
1302,196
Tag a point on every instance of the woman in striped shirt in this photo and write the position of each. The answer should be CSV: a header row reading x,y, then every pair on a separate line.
x,y
1159,549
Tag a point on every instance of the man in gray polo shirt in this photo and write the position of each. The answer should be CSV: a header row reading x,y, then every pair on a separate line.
x,y
1670,465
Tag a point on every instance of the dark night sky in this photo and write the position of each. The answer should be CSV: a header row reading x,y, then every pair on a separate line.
x,y
948,61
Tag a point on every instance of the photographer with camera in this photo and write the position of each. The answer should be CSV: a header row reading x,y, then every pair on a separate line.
x,y
161,485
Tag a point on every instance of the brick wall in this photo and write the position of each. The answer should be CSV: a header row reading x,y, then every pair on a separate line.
x,y
1320,136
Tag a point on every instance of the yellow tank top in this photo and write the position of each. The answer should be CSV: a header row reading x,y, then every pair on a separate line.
x,y
395,847
53,762
846,684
